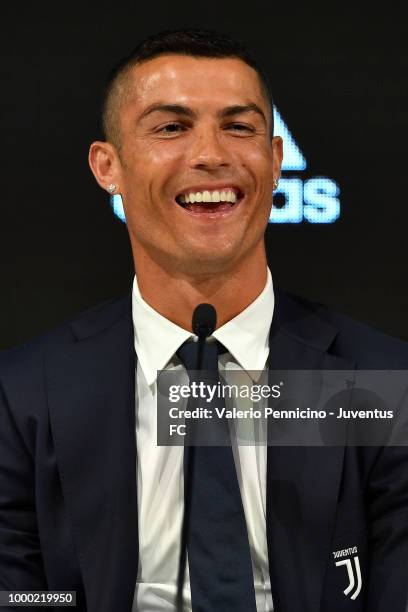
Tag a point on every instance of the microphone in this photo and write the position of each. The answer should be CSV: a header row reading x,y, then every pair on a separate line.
x,y
203,324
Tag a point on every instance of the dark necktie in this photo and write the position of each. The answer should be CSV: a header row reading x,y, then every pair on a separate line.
x,y
220,567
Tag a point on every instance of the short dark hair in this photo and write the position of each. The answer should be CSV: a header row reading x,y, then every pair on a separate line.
x,y
190,42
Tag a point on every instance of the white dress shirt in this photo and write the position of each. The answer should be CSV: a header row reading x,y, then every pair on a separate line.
x,y
160,476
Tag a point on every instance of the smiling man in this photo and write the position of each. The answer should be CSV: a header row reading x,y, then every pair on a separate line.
x,y
189,149
88,501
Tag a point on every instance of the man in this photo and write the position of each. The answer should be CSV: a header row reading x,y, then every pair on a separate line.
x,y
87,505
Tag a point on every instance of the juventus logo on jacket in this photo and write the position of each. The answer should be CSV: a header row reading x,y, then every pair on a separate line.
x,y
353,570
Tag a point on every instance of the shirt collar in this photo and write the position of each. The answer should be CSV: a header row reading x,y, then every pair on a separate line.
x,y
245,336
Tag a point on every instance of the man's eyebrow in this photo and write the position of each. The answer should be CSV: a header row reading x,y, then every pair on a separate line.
x,y
177,109
238,109
185,111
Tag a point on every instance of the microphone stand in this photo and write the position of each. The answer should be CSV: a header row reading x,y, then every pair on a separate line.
x,y
203,325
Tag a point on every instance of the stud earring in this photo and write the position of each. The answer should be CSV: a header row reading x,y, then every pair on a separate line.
x,y
275,184
111,188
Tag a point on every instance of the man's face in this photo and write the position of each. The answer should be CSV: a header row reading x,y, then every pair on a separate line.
x,y
196,128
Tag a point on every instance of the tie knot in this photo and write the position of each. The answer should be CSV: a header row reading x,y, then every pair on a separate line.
x,y
188,353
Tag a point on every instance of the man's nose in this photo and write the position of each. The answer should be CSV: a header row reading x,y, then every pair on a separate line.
x,y
208,151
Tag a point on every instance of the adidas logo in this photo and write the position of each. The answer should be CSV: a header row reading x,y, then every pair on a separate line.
x,y
314,200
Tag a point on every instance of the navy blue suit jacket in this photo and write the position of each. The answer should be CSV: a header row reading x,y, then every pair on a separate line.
x,y
68,506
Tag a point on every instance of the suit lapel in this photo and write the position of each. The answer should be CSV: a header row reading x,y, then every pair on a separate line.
x,y
303,481
92,410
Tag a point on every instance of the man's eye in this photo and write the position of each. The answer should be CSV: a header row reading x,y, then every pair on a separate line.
x,y
240,127
172,128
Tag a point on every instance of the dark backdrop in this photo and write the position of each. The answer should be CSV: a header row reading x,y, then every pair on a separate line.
x,y
339,79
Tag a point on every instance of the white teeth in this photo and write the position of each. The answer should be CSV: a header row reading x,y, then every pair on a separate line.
x,y
227,195
231,197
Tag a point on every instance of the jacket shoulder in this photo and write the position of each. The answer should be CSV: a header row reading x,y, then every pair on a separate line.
x,y
25,361
370,347
367,346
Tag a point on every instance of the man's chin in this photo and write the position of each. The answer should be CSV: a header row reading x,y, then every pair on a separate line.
x,y
207,263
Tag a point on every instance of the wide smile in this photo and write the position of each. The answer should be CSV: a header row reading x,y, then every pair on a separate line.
x,y
211,202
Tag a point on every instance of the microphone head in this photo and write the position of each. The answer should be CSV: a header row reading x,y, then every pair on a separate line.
x,y
204,320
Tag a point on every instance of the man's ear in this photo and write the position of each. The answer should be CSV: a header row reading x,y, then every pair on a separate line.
x,y
277,150
105,165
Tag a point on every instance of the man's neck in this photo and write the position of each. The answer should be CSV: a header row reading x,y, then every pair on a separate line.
x,y
176,296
